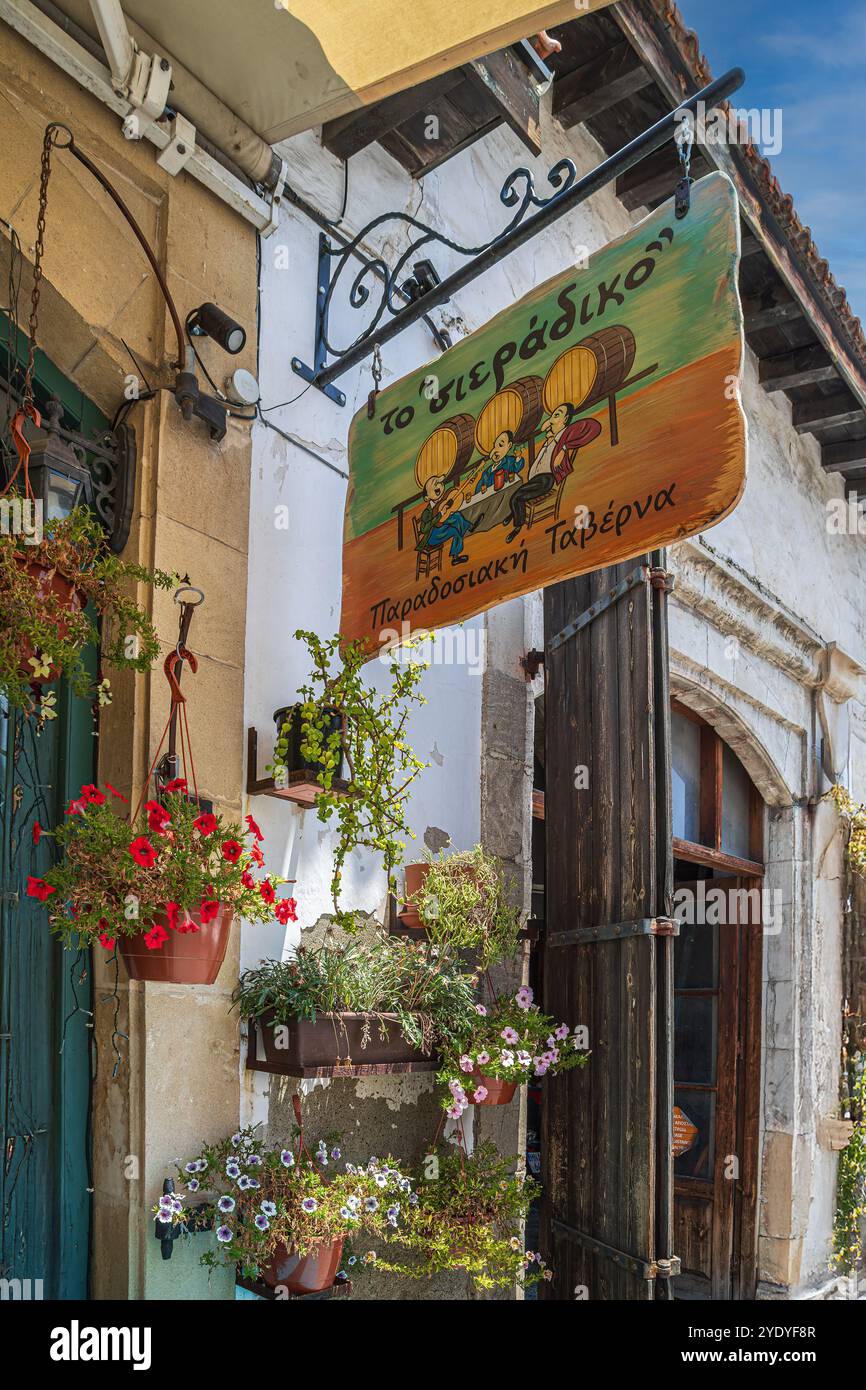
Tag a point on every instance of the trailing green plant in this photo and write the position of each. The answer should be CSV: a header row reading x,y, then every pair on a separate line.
x,y
113,878
854,816
266,1197
851,1175
42,637
371,737
467,1216
511,1040
463,904
431,996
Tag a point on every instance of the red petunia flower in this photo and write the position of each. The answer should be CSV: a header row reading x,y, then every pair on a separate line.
x,y
256,856
157,816
115,792
171,911
38,888
247,879
206,824
286,911
37,832
92,795
209,909
75,808
156,937
143,852
177,784
266,888
106,941
254,828
232,851
187,925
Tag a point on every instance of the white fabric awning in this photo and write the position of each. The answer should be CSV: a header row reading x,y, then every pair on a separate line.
x,y
286,67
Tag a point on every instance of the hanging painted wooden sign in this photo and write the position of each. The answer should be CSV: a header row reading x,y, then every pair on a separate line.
x,y
596,419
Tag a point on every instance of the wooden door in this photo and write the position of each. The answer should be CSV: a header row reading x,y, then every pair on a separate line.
x,y
606,1128
717,972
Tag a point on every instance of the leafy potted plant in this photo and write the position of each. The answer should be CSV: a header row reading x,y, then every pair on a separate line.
x,y
45,591
166,886
461,901
341,717
381,1001
466,1216
283,1212
509,1043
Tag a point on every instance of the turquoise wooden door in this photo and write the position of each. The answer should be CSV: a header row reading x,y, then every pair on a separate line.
x,y
45,991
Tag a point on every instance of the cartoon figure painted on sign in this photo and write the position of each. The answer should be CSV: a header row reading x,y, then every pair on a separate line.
x,y
552,464
501,464
440,522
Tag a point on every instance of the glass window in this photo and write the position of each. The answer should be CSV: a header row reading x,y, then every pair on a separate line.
x,y
735,805
696,956
695,1038
699,1109
685,777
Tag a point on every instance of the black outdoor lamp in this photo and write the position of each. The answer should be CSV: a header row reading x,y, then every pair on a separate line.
x,y
212,322
57,478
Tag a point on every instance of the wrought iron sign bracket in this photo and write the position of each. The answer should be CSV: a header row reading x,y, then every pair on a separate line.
x,y
410,287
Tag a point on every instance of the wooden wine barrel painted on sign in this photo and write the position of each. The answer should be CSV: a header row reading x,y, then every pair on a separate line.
x,y
592,369
517,407
447,450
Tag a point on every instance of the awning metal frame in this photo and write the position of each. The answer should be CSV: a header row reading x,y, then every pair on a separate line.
x,y
406,298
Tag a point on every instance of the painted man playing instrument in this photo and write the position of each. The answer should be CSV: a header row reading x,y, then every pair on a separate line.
x,y
554,462
433,530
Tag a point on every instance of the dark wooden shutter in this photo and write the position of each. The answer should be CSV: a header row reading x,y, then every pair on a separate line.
x,y
608,956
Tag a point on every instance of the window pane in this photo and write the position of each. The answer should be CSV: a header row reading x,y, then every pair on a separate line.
x,y
695,1038
735,805
685,776
699,1107
696,956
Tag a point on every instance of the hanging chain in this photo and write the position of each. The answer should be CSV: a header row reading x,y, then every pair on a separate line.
x,y
376,371
685,138
51,138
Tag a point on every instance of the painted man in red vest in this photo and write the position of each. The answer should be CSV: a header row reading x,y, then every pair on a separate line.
x,y
553,463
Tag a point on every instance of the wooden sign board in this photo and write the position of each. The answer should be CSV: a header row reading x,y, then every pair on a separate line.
x,y
685,1133
594,420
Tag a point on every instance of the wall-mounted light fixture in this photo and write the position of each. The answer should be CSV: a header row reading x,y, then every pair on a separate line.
x,y
209,321
59,481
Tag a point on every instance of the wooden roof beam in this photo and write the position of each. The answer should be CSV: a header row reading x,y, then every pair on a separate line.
x,y
768,311
844,458
596,86
826,412
801,367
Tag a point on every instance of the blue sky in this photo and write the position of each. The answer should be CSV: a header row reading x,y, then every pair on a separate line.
x,y
809,60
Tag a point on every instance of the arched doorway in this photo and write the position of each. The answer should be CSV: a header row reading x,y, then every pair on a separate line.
x,y
718,819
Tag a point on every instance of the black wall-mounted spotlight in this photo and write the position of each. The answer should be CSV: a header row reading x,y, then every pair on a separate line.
x,y
212,322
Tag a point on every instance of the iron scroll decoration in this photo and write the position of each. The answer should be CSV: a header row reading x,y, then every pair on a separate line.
x,y
560,177
425,290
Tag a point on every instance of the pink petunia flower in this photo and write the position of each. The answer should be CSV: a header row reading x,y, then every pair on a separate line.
x,y
509,1035
480,1094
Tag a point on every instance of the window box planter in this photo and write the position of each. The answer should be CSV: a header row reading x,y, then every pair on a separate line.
x,y
332,1045
186,958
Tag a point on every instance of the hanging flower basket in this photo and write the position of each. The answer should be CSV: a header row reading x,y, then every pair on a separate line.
x,y
190,955
164,883
60,596
489,1090
303,1274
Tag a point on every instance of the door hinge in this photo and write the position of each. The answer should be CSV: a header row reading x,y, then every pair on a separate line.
x,y
615,931
643,1269
658,579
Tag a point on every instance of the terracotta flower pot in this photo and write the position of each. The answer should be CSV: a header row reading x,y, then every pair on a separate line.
x,y
48,582
302,1274
498,1092
186,958
415,876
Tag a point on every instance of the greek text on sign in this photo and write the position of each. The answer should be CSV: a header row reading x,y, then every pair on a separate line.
x,y
596,419
685,1132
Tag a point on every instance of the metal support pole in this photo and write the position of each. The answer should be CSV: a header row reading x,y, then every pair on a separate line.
x,y
631,154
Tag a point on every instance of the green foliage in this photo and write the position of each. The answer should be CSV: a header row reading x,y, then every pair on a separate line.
x,y
381,765
37,627
854,817
851,1181
464,906
467,1216
432,998
98,889
512,1041
301,1202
